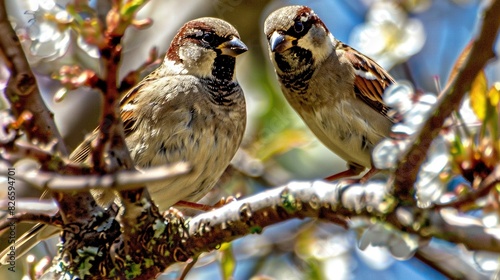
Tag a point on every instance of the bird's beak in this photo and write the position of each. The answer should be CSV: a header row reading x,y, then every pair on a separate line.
x,y
280,42
233,47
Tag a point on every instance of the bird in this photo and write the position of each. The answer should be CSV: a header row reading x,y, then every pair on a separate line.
x,y
191,109
335,89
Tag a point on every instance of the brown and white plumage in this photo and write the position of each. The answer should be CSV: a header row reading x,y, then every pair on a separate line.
x,y
191,109
336,90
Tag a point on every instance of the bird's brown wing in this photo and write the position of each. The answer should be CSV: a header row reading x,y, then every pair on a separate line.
x,y
82,152
371,79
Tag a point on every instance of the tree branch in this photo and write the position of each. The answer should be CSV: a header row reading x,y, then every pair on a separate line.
x,y
19,150
24,95
450,225
22,90
168,239
121,180
451,97
328,202
469,198
110,127
32,205
450,265
54,220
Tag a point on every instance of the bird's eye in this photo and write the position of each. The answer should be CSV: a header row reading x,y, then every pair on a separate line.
x,y
208,38
298,26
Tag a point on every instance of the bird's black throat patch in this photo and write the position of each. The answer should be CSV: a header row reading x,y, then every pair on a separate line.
x,y
223,68
222,86
296,65
293,59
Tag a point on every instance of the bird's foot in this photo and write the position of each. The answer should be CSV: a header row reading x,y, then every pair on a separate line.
x,y
203,207
368,175
343,174
351,173
193,205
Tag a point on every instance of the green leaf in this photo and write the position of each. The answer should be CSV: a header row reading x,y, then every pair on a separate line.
x,y
72,11
494,94
134,270
227,261
478,92
492,110
130,7
314,271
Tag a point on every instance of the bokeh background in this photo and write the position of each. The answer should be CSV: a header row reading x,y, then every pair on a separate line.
x,y
417,40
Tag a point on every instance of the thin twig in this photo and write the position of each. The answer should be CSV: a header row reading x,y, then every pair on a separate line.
x,y
449,265
121,180
483,189
188,267
20,150
54,220
39,206
22,90
110,127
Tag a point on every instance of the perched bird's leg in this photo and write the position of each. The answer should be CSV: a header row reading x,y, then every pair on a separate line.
x,y
353,170
369,174
193,205
203,207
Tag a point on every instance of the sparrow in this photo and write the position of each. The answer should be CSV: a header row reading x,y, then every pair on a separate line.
x,y
191,109
336,90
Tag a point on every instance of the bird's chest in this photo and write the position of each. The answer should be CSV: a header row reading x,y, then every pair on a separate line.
x,y
194,136
341,128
